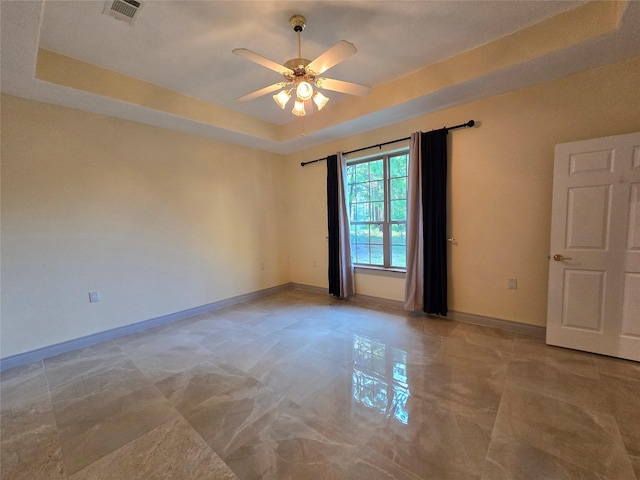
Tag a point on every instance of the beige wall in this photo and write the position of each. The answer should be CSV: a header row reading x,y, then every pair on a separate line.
x,y
156,221
500,188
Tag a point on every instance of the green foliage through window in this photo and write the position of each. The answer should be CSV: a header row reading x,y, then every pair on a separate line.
x,y
377,206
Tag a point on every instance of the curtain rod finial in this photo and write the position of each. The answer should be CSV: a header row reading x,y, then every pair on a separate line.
x,y
471,123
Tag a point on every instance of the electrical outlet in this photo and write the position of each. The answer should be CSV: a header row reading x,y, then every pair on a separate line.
x,y
513,283
262,266
94,297
315,264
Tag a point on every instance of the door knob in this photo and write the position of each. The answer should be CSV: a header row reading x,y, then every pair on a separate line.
x,y
558,258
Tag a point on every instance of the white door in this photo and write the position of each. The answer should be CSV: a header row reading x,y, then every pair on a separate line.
x,y
594,271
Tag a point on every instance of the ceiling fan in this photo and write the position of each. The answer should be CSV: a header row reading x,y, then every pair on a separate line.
x,y
302,74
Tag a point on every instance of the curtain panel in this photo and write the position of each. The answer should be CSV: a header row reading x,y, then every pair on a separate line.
x,y
426,278
434,220
414,279
341,274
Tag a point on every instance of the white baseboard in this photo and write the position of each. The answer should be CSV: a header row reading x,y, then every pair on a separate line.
x,y
310,288
516,327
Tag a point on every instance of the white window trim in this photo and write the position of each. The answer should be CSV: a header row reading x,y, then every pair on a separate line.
x,y
392,272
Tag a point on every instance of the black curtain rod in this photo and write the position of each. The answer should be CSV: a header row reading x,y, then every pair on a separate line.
x,y
470,123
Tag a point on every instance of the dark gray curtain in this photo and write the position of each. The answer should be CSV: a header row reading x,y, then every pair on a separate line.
x,y
333,219
434,219
341,275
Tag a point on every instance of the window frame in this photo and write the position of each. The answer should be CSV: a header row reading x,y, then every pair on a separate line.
x,y
387,223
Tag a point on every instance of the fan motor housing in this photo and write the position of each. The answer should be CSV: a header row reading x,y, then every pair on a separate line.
x,y
299,68
298,22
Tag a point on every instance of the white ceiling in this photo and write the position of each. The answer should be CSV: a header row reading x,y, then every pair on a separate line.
x,y
185,46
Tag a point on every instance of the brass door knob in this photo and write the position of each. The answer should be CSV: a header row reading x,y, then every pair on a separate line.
x,y
558,258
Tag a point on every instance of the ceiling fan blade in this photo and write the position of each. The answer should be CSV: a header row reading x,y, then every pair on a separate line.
x,y
262,91
331,57
260,60
343,87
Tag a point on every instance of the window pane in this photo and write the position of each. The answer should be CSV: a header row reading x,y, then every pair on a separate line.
x,y
362,253
399,256
375,234
377,191
398,188
398,166
377,255
361,192
362,172
398,234
351,174
377,211
377,170
362,234
398,245
399,210
363,213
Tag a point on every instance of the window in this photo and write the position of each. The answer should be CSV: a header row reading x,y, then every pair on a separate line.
x,y
377,199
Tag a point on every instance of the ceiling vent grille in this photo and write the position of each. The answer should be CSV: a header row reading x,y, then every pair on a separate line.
x,y
125,10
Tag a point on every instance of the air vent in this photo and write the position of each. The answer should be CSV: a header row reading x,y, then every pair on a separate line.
x,y
125,10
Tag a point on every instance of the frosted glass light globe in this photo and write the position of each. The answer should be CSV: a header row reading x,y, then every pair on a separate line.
x,y
304,91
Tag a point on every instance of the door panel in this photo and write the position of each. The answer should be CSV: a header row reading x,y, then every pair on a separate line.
x,y
588,217
594,271
591,162
631,307
583,299
633,242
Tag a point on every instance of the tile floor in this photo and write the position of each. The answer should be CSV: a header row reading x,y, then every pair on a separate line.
x,y
299,385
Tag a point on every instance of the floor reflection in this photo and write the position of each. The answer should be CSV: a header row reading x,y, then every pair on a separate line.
x,y
379,379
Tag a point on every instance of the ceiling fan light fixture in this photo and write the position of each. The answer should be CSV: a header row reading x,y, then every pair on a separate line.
x,y
298,108
304,90
281,98
319,99
302,74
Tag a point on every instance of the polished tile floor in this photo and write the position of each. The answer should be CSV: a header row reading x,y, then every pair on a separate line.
x,y
301,386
